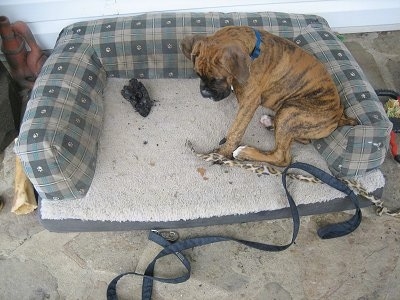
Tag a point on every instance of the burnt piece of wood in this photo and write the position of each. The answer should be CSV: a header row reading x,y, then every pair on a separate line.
x,y
138,96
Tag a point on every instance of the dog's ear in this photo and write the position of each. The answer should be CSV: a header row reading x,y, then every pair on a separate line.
x,y
237,63
187,44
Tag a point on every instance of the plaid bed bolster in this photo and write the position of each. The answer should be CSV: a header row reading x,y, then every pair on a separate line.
x,y
58,136
349,151
61,126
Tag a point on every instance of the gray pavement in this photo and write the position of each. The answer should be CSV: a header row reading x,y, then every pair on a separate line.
x,y
38,264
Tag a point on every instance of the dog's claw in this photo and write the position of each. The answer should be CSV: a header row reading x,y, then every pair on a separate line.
x,y
223,141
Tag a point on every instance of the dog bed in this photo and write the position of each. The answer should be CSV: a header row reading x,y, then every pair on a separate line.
x,y
97,165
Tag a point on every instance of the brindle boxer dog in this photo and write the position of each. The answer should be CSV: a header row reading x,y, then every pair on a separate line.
x,y
264,69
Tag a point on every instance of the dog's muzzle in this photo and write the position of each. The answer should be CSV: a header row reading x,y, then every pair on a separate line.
x,y
206,93
213,94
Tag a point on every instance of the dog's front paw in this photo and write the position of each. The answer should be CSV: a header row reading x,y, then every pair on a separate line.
x,y
240,153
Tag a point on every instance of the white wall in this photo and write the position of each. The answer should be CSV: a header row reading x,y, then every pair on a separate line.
x,y
46,18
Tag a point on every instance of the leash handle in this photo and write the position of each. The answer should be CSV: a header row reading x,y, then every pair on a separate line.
x,y
327,232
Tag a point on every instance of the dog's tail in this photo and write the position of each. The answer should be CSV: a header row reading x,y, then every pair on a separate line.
x,y
345,120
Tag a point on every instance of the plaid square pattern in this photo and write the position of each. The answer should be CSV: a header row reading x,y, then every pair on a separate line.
x,y
60,130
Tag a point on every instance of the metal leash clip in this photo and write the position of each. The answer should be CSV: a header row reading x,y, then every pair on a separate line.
x,y
171,236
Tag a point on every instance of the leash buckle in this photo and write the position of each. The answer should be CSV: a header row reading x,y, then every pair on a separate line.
x,y
170,236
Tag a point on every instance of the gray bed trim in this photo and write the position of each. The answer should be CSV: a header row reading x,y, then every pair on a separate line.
x,y
75,225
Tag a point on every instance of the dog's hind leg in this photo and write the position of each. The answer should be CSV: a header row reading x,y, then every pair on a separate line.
x,y
280,156
287,129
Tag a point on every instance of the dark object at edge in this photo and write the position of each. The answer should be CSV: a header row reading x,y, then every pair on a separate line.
x,y
11,108
394,95
395,121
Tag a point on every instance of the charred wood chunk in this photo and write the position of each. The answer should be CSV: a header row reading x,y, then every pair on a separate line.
x,y
138,96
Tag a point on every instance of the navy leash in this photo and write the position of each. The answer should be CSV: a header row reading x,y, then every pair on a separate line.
x,y
175,248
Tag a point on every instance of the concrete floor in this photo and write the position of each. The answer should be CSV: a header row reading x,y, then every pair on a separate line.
x,y
38,264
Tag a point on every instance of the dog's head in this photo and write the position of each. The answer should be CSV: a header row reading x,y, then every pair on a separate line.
x,y
219,65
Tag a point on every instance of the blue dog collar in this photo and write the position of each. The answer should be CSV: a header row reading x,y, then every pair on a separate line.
x,y
256,51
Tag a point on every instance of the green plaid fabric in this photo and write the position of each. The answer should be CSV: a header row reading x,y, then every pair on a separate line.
x,y
61,126
147,46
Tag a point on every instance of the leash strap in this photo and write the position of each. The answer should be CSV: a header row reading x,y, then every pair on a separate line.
x,y
338,229
327,232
